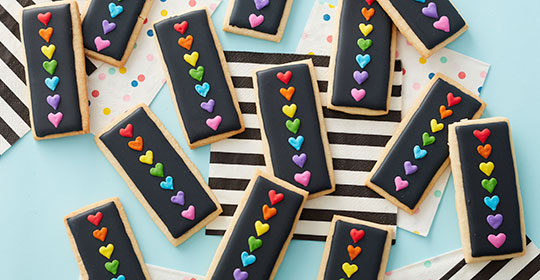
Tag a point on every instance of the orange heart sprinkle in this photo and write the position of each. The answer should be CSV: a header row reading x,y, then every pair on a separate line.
x,y
100,234
287,93
268,212
136,145
368,13
186,42
353,251
484,151
444,112
46,34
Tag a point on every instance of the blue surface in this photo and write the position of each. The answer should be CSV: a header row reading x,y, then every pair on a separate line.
x,y
43,181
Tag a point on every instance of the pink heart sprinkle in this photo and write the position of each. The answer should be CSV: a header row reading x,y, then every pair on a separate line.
x,y
303,178
255,20
214,122
56,118
189,213
101,44
442,24
400,183
497,240
358,94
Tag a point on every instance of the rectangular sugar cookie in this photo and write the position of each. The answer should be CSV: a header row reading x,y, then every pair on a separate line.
x,y
355,249
428,26
293,131
260,231
488,200
417,153
103,242
262,19
159,173
110,28
362,60
199,80
55,70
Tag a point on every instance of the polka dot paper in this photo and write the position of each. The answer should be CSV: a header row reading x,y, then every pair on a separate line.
x,y
417,71
113,90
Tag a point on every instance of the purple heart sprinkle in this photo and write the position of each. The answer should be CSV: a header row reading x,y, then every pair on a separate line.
x,y
208,106
410,168
495,221
360,77
178,198
259,4
53,101
108,26
300,160
430,10
240,275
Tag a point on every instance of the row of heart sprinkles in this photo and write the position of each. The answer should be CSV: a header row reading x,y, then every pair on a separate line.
x,y
486,168
108,27
157,171
353,251
363,59
430,11
197,74
50,67
256,20
261,228
427,140
106,251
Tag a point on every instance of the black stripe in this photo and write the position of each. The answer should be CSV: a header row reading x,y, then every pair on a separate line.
x,y
214,232
235,158
529,270
397,66
323,86
8,133
249,133
490,269
274,58
358,139
248,108
354,191
26,3
353,164
396,91
454,270
9,22
12,62
14,102
393,116
247,82
228,183
309,237
90,67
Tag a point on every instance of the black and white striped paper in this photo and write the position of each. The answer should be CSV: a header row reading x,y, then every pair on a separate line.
x,y
355,142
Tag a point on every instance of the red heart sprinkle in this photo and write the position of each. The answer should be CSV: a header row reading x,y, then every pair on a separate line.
x,y
44,18
370,2
452,100
357,235
95,219
127,132
284,77
275,197
181,27
482,135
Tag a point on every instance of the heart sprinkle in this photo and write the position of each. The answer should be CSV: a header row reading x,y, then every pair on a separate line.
x,y
353,251
285,78
181,27
247,259
444,112
358,94
255,20
349,269
112,267
482,135
497,240
157,171
53,100
300,160
214,122
186,42
289,110
427,139
360,77
100,234
410,168
261,228
492,202
108,26
442,24
189,213
303,178
44,18
240,275
178,198
484,151
435,126
167,184
101,44
55,118
418,152
137,144
400,183
287,93
260,4
268,212
95,219
452,100
297,142
254,243
495,221
487,168
198,73
203,89
127,131
208,106
147,158
106,251
430,10
357,235
274,197
293,126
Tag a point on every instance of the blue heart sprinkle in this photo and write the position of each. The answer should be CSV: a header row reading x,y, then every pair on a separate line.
x,y
492,202
52,83
418,152
296,142
421,1
121,277
203,89
247,259
363,60
115,10
167,184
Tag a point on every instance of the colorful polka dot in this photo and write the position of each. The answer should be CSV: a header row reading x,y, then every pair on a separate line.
x,y
141,78
164,13
102,76
122,70
106,111
416,232
461,75
127,97
145,21
163,0
397,54
479,89
134,83
422,60
112,71
430,75
427,264
416,86
329,39
304,35
443,59
331,6
150,33
437,193
213,6
192,3
417,211
483,74
150,57
388,273
403,71
95,93
311,53
326,17
409,43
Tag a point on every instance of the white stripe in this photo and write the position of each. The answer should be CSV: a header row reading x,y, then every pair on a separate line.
x,y
317,228
397,79
12,119
11,42
233,171
12,7
246,69
345,203
220,223
536,276
14,83
4,145
251,121
245,95
346,177
241,146
469,271
361,126
355,152
515,265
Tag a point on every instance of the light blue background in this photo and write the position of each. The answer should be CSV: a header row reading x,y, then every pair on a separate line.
x,y
43,181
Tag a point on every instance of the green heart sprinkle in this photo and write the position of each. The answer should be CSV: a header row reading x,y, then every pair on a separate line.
x,y
157,171
293,126
489,185
364,44
112,267
427,139
197,74
254,243
50,66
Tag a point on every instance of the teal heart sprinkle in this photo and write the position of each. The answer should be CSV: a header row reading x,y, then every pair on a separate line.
x,y
167,184
492,202
363,60
52,83
247,259
296,142
203,89
418,152
115,10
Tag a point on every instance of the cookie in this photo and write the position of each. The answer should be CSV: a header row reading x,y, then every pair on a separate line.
x,y
260,231
488,200
355,249
55,70
103,242
159,173
199,80
293,131
362,60
428,25
111,28
417,153
262,19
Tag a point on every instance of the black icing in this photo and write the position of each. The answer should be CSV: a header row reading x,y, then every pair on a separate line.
x,y
88,246
376,86
187,99
272,15
280,227
402,150
422,25
277,134
506,189
62,38
158,198
98,10
368,261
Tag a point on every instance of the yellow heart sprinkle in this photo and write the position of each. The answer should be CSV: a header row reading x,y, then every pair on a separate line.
x,y
48,51
148,158
106,251
366,29
349,269
192,58
487,168
436,126
289,110
261,228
